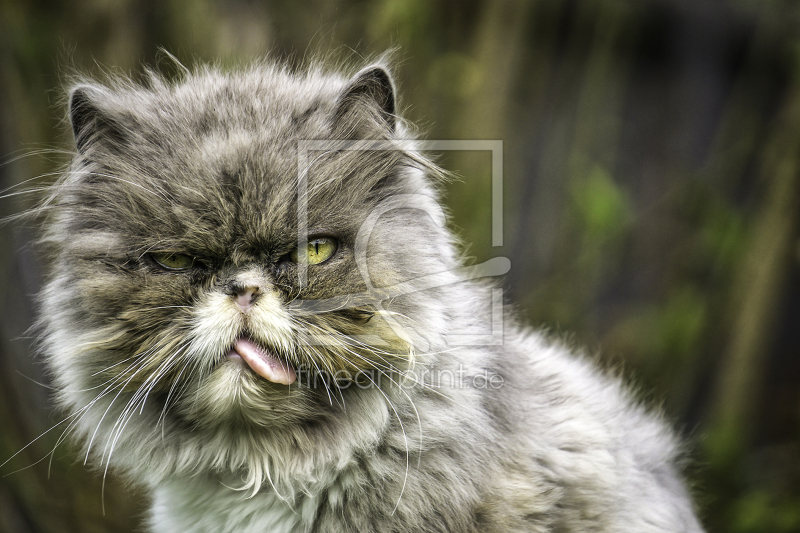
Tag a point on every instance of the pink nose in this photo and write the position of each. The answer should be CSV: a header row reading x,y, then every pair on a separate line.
x,y
244,298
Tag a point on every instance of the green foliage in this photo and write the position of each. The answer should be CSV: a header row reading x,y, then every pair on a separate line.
x,y
763,511
404,20
602,208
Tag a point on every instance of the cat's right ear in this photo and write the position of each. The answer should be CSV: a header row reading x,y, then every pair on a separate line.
x,y
89,120
367,104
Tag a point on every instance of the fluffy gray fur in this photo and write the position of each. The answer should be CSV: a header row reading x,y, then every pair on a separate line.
x,y
390,427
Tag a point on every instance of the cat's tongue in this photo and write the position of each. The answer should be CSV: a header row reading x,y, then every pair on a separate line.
x,y
264,363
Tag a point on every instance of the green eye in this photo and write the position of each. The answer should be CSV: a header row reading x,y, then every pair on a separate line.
x,y
174,261
318,250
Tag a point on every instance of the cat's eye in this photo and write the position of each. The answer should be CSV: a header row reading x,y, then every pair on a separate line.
x,y
317,250
173,261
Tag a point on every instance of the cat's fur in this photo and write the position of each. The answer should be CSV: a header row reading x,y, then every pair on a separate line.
x,y
414,433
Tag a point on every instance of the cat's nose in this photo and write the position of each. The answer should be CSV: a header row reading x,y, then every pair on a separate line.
x,y
244,297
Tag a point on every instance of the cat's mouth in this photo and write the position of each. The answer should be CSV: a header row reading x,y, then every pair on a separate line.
x,y
262,361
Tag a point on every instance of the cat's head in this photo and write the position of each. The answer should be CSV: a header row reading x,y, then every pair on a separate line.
x,y
228,252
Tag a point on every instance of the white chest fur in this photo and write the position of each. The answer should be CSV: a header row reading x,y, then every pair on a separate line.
x,y
204,506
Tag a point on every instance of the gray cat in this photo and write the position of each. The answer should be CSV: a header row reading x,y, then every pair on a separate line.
x,y
252,308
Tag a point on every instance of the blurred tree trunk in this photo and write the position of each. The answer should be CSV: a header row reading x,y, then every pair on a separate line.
x,y
497,52
758,291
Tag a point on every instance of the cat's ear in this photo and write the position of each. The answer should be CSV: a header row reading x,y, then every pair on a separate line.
x,y
89,120
367,98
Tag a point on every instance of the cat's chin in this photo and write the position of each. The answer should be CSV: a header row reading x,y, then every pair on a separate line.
x,y
235,393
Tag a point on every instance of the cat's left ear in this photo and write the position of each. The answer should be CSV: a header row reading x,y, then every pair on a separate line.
x,y
92,119
368,97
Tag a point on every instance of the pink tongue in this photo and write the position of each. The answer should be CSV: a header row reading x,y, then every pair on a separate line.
x,y
264,363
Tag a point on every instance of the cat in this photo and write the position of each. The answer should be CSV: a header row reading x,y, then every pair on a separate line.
x,y
250,312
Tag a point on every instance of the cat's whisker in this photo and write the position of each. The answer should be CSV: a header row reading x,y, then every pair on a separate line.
x,y
18,470
44,385
331,384
344,340
138,399
162,370
108,408
178,395
21,193
165,366
416,413
109,387
172,389
139,360
19,155
387,364
377,350
320,373
405,440
106,369
45,432
391,368
111,380
167,307
352,341
23,182
80,414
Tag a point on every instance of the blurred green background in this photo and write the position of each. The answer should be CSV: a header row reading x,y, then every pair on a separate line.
x,y
650,201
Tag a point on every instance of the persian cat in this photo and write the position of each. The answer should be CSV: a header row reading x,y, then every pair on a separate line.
x,y
254,310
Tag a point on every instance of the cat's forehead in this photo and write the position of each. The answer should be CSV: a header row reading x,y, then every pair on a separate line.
x,y
242,191
259,100
245,132
215,161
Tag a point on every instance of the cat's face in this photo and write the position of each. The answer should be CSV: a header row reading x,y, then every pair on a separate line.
x,y
213,274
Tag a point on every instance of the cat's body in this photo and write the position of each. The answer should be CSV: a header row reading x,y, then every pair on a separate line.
x,y
255,388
